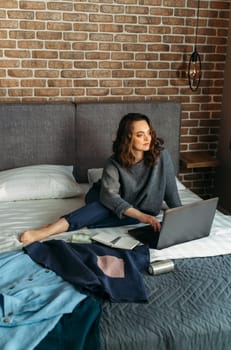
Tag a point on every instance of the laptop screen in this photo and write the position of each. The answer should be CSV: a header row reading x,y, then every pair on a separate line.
x,y
146,235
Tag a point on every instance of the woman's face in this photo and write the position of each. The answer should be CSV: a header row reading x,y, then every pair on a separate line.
x,y
141,136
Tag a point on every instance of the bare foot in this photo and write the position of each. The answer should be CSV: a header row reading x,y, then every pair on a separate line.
x,y
34,235
41,233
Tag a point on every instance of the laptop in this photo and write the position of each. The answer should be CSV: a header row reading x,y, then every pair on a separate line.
x,y
179,225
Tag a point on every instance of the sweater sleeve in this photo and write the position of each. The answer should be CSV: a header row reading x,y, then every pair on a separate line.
x,y
171,197
110,192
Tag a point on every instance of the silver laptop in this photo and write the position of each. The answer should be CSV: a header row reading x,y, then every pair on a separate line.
x,y
179,225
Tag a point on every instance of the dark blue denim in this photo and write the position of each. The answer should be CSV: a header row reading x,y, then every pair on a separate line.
x,y
78,264
94,214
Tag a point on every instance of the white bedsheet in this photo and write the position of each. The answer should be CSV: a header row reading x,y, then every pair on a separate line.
x,y
16,217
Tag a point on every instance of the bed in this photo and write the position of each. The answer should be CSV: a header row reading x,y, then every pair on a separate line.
x,y
48,156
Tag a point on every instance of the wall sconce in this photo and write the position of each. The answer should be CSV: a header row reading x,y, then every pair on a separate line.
x,y
194,65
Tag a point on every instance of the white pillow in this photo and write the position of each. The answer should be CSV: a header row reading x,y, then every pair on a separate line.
x,y
95,174
38,182
179,184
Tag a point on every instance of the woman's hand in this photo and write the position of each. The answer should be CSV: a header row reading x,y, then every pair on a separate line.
x,y
144,218
151,220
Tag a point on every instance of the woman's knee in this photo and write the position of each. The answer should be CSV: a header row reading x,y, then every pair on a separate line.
x,y
93,194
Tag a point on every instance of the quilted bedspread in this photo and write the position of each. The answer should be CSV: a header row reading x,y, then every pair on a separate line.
x,y
188,309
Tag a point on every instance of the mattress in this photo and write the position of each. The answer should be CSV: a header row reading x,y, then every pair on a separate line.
x,y
18,216
188,308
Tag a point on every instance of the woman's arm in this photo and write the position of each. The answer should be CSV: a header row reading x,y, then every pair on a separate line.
x,y
142,217
110,190
171,197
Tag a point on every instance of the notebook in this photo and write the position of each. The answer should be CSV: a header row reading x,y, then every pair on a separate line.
x,y
110,236
179,225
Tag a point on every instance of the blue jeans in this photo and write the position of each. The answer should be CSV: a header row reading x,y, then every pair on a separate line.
x,y
94,214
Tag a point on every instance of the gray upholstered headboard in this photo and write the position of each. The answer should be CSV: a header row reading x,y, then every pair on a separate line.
x,y
36,134
79,134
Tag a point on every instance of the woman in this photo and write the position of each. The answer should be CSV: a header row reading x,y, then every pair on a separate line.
x,y
136,180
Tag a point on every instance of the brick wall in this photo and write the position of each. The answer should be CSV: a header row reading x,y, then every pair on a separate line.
x,y
119,50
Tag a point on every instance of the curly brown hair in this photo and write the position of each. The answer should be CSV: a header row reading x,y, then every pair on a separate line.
x,y
122,146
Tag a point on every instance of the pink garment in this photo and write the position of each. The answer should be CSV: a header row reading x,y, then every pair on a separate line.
x,y
111,266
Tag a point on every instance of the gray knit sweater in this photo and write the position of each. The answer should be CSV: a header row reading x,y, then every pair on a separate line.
x,y
140,186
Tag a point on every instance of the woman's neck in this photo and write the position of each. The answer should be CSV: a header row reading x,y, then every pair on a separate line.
x,y
138,156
